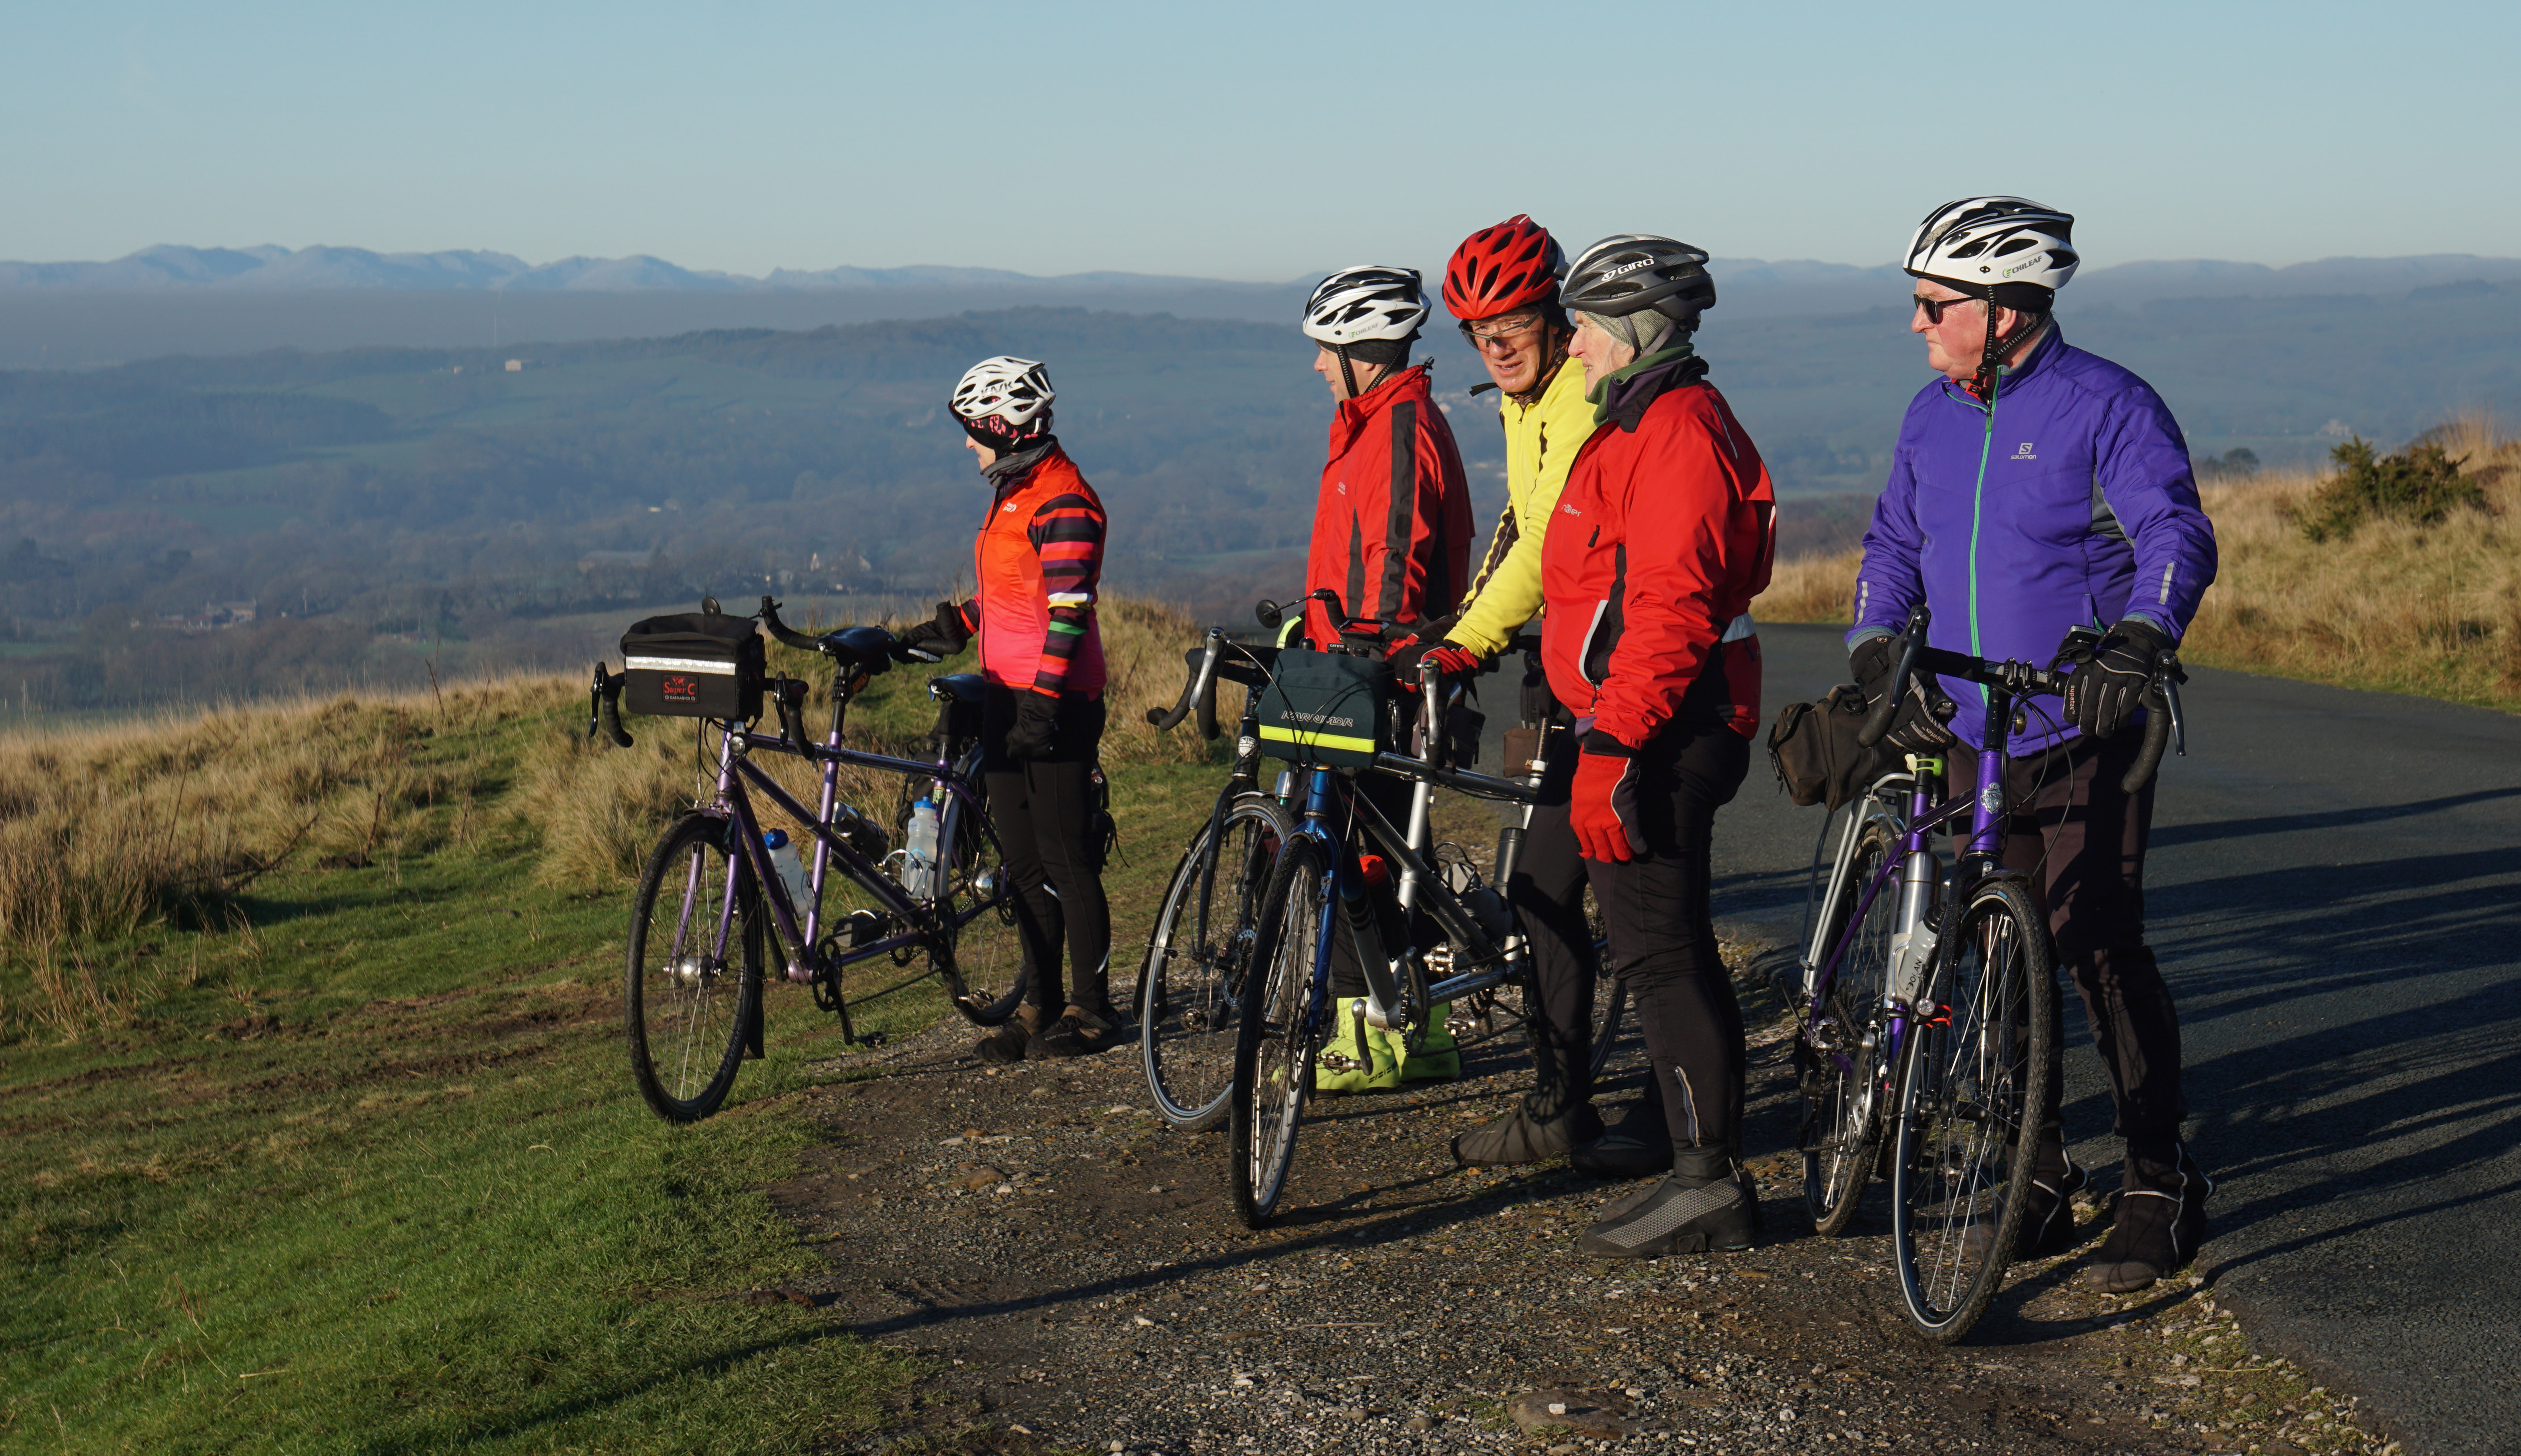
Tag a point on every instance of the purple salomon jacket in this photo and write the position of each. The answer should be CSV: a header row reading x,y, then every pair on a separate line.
x,y
2078,485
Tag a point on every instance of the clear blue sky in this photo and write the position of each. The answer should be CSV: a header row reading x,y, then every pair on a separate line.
x,y
1251,142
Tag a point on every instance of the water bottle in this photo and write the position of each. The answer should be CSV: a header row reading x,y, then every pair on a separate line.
x,y
919,868
789,859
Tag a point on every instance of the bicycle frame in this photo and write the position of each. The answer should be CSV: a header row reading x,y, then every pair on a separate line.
x,y
1493,962
1919,876
799,937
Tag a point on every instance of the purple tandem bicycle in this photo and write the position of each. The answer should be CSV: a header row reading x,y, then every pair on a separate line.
x,y
1929,991
721,889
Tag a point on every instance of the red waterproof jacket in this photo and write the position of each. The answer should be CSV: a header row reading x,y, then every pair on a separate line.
x,y
1039,559
1392,527
1664,534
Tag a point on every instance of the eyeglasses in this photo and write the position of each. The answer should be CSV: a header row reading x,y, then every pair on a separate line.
x,y
1501,330
1935,306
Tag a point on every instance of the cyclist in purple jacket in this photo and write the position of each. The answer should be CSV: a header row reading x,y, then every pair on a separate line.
x,y
2036,489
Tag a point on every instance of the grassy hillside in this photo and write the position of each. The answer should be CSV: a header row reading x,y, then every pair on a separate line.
x,y
2394,603
321,1135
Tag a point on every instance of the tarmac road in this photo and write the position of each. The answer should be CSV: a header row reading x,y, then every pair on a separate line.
x,y
2335,893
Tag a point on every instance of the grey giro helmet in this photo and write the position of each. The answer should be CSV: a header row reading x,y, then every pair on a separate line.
x,y
1630,272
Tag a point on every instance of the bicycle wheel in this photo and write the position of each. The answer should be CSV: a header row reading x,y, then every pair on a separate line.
x,y
691,991
1610,1009
1975,1082
1273,1038
1197,954
1835,1058
984,969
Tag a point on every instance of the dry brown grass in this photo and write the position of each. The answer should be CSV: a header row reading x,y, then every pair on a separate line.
x,y
600,808
102,829
2434,610
1810,589
2414,608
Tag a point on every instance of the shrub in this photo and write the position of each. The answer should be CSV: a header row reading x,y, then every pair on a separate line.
x,y
2240,460
2422,485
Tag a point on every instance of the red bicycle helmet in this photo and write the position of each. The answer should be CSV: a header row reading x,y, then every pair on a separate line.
x,y
1508,266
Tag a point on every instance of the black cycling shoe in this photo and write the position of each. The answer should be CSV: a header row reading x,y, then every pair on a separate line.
x,y
1623,1155
1078,1033
1519,1137
1700,1205
1010,1041
2048,1224
2161,1222
1640,1147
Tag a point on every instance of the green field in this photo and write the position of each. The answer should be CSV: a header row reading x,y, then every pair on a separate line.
x,y
359,1167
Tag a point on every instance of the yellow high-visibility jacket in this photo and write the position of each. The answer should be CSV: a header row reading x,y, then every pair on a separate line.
x,y
1540,442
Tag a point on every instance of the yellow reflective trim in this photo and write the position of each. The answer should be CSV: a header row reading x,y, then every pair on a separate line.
x,y
1312,739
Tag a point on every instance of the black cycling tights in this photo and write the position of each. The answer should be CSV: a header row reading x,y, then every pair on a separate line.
x,y
1662,941
1044,814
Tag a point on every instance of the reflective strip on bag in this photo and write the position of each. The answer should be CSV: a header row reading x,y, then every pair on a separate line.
x,y
1305,739
680,665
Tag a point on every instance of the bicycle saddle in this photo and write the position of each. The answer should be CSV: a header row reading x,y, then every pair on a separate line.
x,y
963,687
868,647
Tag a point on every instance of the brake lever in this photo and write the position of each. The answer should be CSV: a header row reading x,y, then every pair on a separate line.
x,y
2169,673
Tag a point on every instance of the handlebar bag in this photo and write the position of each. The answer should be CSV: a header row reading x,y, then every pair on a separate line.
x,y
1814,751
692,664
1325,710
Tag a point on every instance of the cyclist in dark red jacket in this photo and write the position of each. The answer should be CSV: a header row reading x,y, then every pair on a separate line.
x,y
1391,537
1392,525
1664,534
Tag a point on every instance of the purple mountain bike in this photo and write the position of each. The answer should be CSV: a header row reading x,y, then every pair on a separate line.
x,y
717,895
1925,1042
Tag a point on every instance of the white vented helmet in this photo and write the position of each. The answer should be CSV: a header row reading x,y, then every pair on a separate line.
x,y
1015,390
1986,243
1356,305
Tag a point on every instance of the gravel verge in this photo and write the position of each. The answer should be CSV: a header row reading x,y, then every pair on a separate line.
x,y
1075,1274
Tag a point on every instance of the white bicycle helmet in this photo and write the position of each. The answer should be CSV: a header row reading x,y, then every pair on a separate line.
x,y
1358,305
1014,391
1997,248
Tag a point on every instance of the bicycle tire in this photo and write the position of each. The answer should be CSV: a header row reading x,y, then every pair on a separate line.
x,y
1838,1056
1191,980
983,964
1273,1039
1973,1090
687,1011
1610,1008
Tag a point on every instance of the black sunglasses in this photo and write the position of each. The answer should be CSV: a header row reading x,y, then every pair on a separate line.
x,y
1935,306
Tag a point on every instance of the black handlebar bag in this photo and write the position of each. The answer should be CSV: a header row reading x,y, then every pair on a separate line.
x,y
692,664
1326,709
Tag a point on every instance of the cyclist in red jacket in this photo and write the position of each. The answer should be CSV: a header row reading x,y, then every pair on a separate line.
x,y
1039,560
1664,534
1392,536
1392,525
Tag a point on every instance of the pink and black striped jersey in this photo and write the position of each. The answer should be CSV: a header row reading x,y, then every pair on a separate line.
x,y
1039,562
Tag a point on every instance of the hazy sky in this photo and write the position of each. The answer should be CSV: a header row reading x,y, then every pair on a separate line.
x,y
1248,140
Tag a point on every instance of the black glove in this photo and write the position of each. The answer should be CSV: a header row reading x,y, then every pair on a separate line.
x,y
1036,727
935,640
1918,726
2105,692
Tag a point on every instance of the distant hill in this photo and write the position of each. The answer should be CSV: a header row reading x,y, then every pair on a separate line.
x,y
1751,285
394,500
209,300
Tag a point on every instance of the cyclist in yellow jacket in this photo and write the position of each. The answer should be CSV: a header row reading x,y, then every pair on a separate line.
x,y
1502,285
